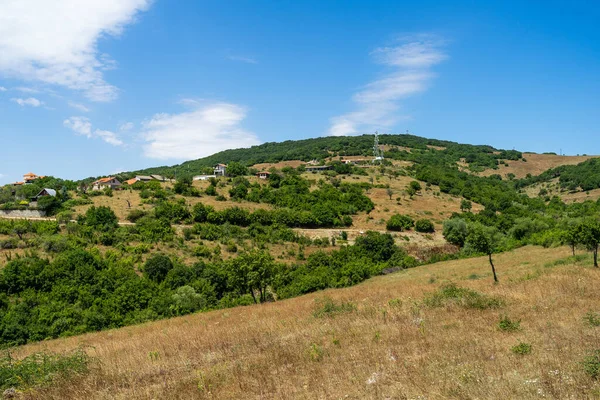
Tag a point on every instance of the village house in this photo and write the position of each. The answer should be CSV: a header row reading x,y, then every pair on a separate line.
x,y
144,178
159,178
28,178
263,175
355,162
131,181
220,170
105,183
45,192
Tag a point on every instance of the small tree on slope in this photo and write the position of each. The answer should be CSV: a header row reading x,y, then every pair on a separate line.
x,y
484,239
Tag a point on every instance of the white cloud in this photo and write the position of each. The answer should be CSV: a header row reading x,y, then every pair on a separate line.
x,y
109,137
55,42
78,106
378,103
83,127
80,125
3,89
31,101
205,130
126,127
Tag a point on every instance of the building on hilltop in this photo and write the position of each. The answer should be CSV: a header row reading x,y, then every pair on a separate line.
x,y
220,170
106,183
263,175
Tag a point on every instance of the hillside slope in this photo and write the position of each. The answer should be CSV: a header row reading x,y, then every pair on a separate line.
x,y
386,342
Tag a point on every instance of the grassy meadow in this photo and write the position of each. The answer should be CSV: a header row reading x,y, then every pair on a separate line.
x,y
399,336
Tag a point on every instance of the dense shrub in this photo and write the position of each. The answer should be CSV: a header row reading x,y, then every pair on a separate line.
x,y
399,223
424,225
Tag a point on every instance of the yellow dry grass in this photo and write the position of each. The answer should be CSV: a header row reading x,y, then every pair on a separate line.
x,y
535,165
392,346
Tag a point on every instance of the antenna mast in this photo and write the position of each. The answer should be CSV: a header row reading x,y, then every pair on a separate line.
x,y
377,152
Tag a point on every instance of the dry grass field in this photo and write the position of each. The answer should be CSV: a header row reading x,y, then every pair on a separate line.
x,y
386,343
535,165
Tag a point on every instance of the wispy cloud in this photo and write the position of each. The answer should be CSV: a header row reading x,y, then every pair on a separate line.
x,y
78,106
126,127
245,58
83,126
3,89
28,90
206,129
31,101
109,137
378,102
73,28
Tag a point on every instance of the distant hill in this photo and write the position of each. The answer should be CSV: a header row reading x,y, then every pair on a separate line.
x,y
321,148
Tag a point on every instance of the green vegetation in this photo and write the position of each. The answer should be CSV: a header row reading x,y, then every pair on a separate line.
x,y
327,307
424,226
591,364
450,294
508,325
521,349
86,272
39,369
400,223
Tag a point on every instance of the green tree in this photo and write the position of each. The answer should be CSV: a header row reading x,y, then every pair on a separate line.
x,y
101,218
589,236
570,236
252,272
484,239
236,169
20,228
183,185
157,267
389,192
465,205
455,231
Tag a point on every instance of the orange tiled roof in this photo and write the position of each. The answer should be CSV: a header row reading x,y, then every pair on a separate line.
x,y
104,180
131,181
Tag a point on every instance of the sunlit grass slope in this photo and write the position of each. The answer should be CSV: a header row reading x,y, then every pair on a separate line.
x,y
386,338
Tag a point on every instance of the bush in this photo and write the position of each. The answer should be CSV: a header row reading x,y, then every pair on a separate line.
x,y
424,226
134,215
399,223
466,298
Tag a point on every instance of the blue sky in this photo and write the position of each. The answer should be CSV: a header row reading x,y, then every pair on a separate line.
x,y
94,87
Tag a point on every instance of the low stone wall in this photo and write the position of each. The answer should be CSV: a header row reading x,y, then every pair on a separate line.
x,y
22,213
